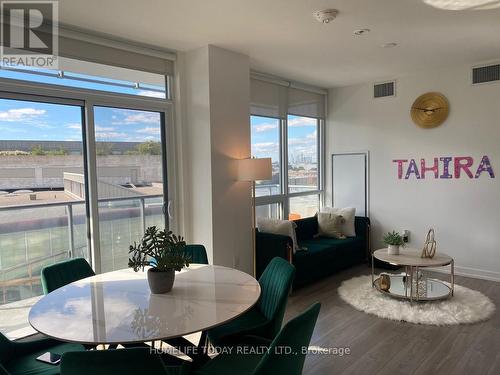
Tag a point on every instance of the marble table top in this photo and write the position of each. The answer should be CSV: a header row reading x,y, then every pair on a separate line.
x,y
118,307
411,257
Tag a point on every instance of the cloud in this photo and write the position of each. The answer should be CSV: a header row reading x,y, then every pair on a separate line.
x,y
104,129
21,114
260,128
149,130
301,141
313,135
297,122
110,135
264,147
74,125
137,117
310,140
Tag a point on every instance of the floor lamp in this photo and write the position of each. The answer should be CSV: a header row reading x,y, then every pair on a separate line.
x,y
254,169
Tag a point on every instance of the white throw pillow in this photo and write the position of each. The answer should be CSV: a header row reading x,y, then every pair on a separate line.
x,y
348,213
330,225
276,226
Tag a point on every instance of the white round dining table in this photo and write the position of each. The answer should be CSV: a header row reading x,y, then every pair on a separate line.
x,y
118,308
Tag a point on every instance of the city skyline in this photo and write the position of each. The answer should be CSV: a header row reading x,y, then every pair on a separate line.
x,y
302,138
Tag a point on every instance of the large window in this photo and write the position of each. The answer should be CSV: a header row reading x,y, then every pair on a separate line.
x,y
266,143
286,125
82,174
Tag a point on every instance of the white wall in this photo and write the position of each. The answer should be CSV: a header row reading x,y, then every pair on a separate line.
x,y
214,132
230,141
196,152
465,213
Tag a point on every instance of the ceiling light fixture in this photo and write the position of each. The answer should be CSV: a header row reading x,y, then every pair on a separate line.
x,y
361,31
389,45
463,4
326,16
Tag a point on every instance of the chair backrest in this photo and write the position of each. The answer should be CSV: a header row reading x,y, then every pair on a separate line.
x,y
275,283
3,371
64,273
197,253
5,349
287,352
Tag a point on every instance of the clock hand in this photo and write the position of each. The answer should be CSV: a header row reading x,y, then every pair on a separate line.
x,y
427,109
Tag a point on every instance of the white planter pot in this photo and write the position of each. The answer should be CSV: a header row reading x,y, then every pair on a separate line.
x,y
393,249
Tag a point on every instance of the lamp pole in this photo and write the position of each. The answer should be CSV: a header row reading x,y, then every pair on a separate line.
x,y
253,231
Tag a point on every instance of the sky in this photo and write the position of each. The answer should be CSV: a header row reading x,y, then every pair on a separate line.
x,y
24,120
302,137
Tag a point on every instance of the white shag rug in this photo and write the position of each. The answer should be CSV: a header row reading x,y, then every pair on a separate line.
x,y
465,306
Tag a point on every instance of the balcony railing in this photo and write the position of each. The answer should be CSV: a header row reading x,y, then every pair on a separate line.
x,y
35,235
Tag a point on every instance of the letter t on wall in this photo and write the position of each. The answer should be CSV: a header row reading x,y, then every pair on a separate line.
x,y
400,167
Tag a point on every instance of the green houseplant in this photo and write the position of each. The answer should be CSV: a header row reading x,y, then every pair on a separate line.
x,y
394,241
164,252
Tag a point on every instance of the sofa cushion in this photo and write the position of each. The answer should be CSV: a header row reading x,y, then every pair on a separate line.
x,y
349,214
325,244
325,256
306,229
281,227
329,225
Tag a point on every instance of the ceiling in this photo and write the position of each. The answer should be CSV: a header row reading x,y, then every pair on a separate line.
x,y
282,37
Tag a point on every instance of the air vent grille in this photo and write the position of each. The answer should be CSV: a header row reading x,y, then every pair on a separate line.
x,y
381,90
486,74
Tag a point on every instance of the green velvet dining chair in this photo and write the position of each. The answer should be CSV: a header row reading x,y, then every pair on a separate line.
x,y
197,254
284,356
19,358
265,318
130,361
64,273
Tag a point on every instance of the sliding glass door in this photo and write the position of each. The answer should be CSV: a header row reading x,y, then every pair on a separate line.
x,y
130,162
42,219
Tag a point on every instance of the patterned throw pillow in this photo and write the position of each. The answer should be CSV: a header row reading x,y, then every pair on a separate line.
x,y
330,225
349,214
276,226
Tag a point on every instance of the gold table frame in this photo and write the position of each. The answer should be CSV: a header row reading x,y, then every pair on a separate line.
x,y
411,260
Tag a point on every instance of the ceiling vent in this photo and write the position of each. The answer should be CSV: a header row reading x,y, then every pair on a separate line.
x,y
483,74
384,89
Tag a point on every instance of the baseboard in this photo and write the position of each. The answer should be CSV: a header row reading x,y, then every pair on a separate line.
x,y
470,272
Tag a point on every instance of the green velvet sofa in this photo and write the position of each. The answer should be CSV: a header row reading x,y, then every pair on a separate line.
x,y
323,256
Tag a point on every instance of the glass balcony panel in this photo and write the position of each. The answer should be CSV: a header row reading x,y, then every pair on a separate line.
x,y
303,206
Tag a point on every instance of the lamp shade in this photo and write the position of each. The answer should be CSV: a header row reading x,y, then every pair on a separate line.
x,y
255,169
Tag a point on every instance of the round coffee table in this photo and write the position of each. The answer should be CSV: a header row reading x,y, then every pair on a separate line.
x,y
412,285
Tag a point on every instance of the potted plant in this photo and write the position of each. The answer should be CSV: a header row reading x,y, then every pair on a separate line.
x,y
394,241
164,252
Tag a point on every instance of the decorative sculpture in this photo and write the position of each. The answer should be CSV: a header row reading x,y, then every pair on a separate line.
x,y
385,282
430,245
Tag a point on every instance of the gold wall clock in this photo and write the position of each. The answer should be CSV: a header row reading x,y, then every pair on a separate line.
x,y
430,110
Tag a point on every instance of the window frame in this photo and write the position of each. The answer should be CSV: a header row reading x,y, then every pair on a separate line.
x,y
283,199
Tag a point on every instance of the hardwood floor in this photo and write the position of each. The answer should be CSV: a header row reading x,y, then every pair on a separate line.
x,y
381,346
